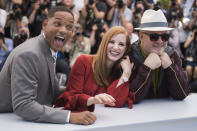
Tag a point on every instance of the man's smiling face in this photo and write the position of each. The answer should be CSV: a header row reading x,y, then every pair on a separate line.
x,y
58,29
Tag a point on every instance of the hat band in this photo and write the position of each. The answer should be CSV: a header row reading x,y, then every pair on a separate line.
x,y
154,24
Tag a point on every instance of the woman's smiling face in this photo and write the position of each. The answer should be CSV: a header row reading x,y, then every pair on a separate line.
x,y
116,47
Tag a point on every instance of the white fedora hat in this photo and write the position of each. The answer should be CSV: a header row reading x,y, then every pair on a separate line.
x,y
153,21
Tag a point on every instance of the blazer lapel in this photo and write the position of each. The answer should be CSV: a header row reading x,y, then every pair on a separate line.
x,y
49,59
51,70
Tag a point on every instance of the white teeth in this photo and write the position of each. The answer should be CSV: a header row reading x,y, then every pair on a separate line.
x,y
60,37
115,53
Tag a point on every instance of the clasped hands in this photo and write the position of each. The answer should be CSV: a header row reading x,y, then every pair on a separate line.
x,y
154,61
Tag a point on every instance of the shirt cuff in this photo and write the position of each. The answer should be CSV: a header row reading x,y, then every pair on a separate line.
x,y
68,117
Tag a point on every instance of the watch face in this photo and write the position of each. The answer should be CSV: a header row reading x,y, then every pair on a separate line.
x,y
125,79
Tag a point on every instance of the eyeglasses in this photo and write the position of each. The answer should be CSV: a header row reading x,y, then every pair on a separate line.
x,y
155,37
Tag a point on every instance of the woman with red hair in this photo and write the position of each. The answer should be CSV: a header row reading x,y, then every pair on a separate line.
x,y
101,78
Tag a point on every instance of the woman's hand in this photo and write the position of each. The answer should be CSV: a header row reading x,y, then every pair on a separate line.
x,y
126,66
101,99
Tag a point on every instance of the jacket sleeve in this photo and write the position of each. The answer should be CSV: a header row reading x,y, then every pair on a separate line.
x,y
73,97
24,86
141,79
178,83
121,94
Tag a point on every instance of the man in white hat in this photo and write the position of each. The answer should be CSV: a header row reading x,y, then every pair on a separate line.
x,y
157,68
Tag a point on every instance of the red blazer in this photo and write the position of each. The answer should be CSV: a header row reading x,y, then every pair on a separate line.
x,y
81,85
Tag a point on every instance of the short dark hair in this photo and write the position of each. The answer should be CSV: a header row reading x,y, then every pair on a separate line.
x,y
55,9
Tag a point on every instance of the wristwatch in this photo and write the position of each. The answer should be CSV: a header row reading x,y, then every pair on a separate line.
x,y
125,79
